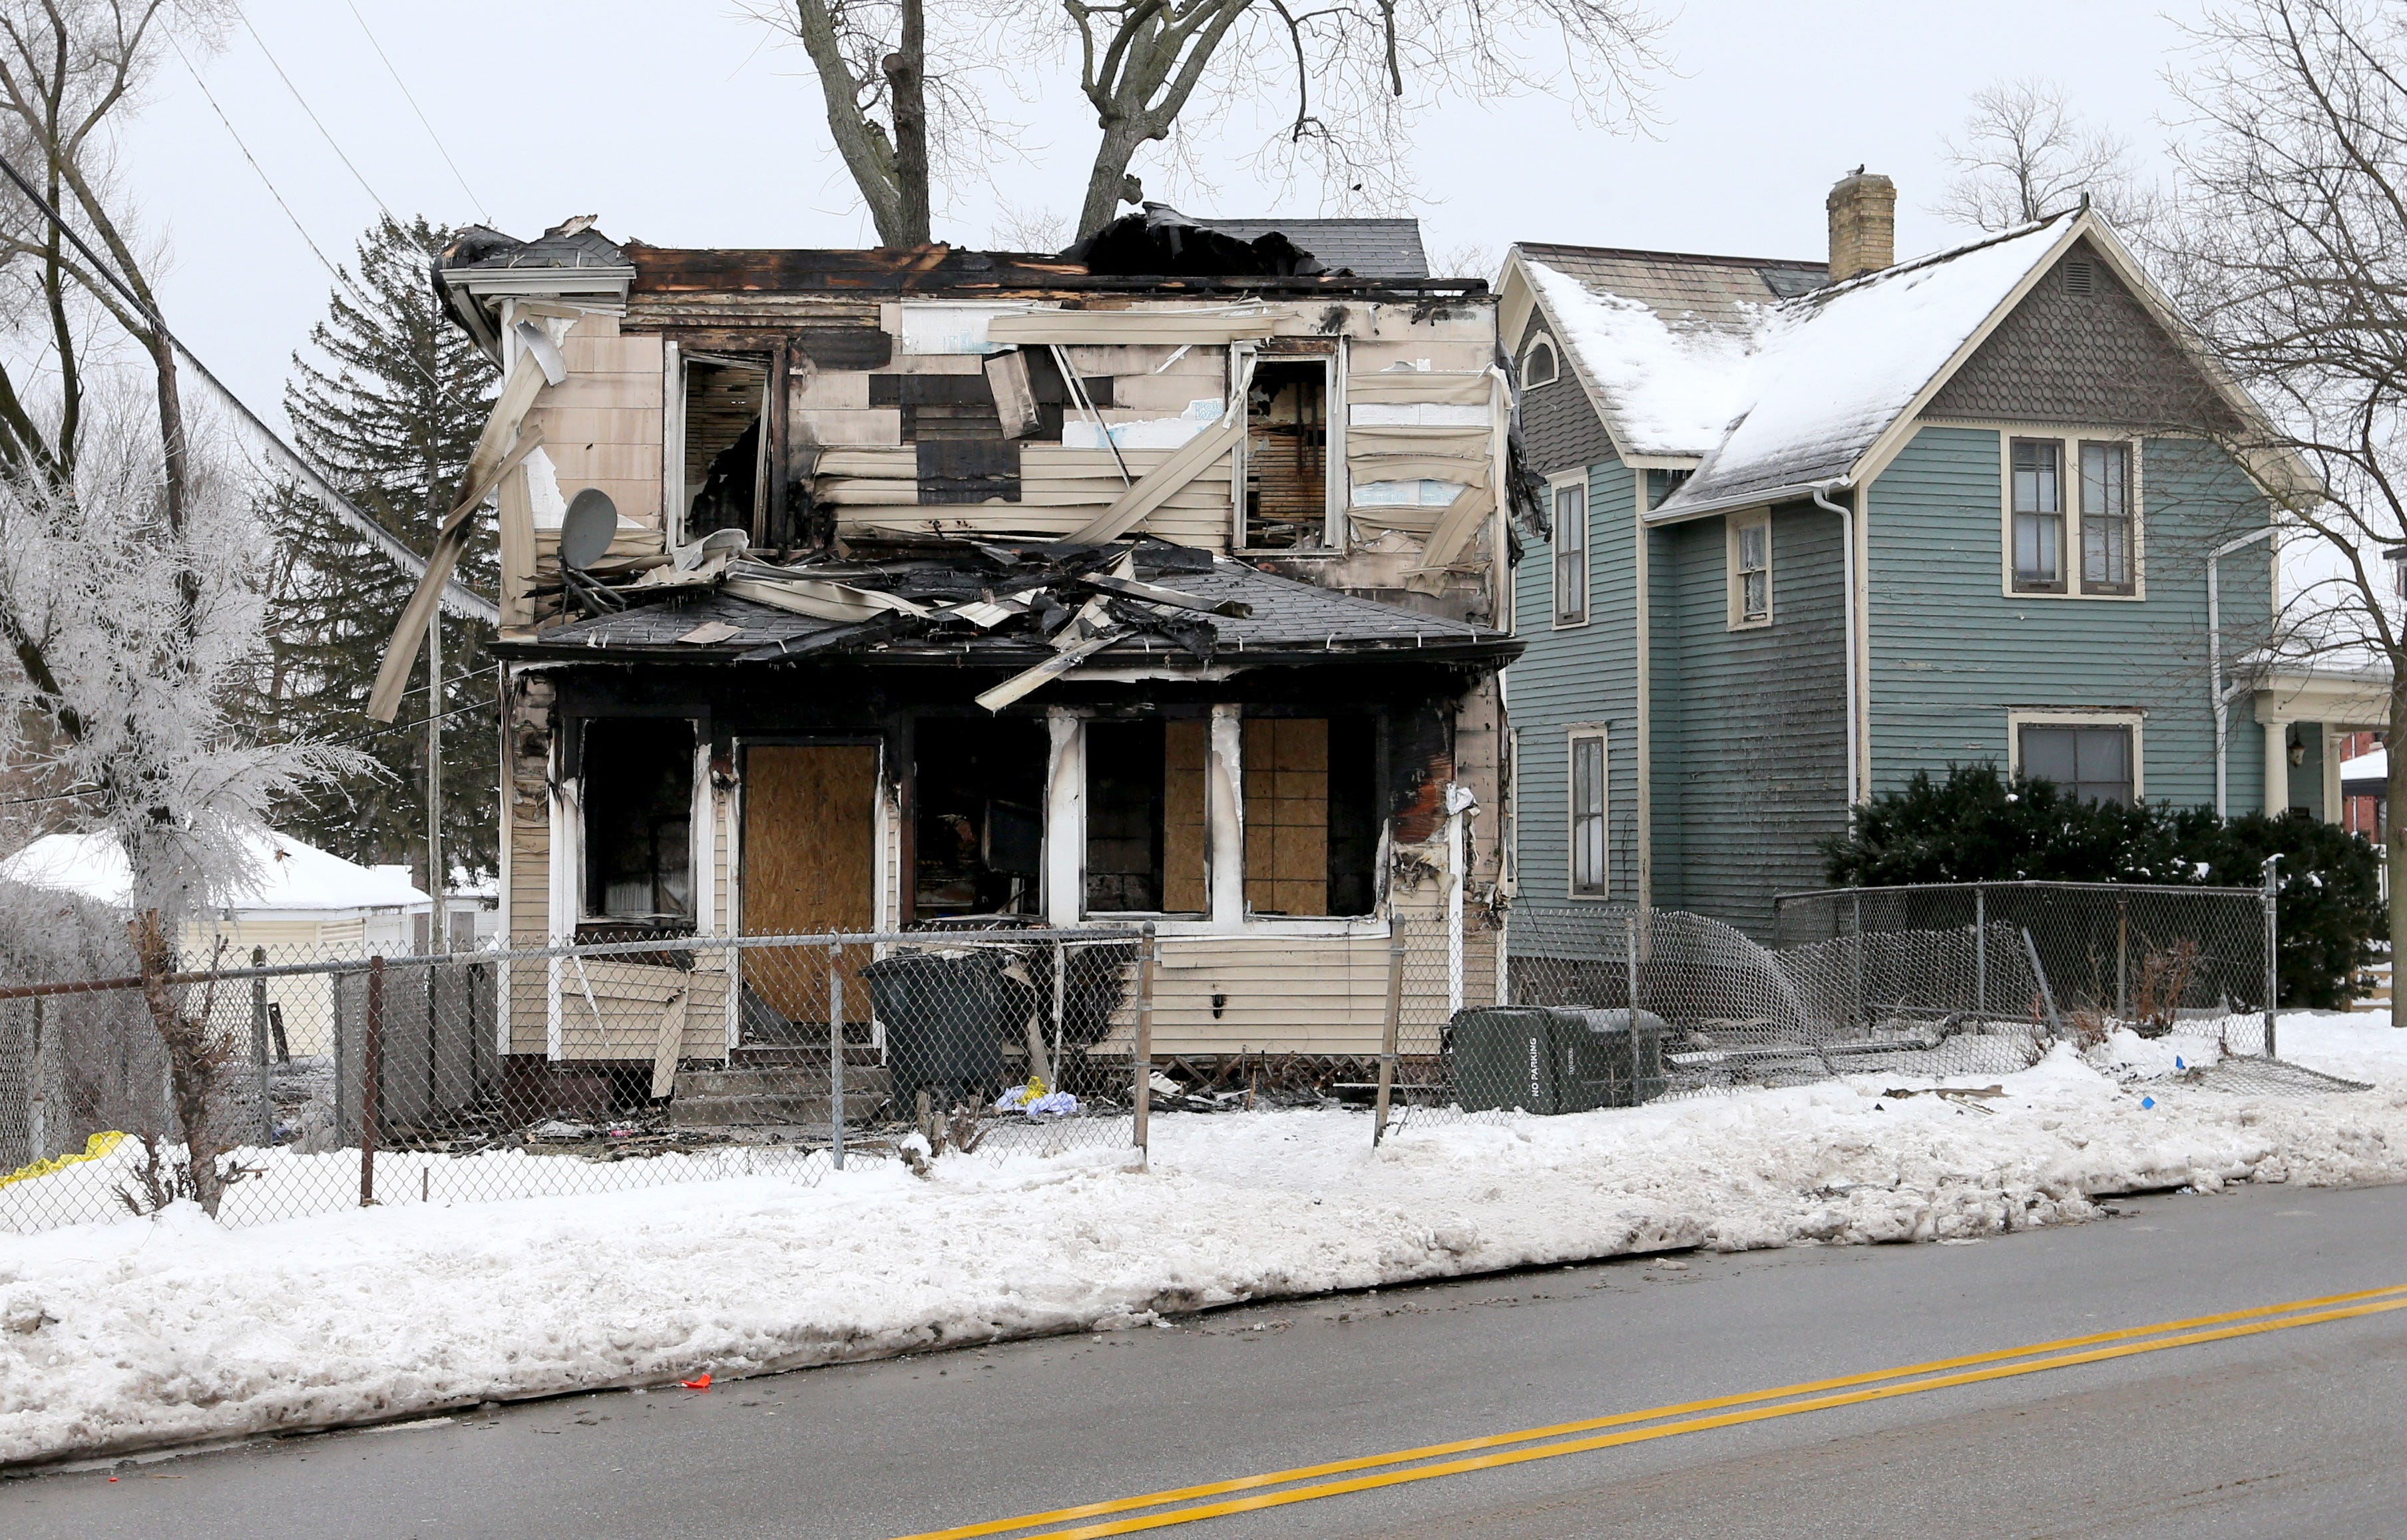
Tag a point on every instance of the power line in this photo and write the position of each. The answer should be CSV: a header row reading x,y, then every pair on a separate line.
x,y
302,230
312,113
460,600
404,85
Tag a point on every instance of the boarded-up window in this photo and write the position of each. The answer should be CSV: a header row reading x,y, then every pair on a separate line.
x,y
1144,816
638,796
1311,816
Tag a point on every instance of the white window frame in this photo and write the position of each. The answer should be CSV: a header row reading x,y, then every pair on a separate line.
x,y
1529,379
2019,717
1336,484
2069,441
1556,486
1735,528
1602,736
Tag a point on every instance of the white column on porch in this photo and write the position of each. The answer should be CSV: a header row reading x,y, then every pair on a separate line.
x,y
1224,813
2277,768
1065,818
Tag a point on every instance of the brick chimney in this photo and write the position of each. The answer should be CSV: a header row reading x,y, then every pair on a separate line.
x,y
1863,224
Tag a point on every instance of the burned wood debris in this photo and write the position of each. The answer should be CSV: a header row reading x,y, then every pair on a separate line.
x,y
1044,608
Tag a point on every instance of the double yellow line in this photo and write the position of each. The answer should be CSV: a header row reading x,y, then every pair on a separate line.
x,y
1366,1473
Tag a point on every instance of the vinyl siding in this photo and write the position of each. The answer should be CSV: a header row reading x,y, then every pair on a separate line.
x,y
1950,654
1587,674
1750,734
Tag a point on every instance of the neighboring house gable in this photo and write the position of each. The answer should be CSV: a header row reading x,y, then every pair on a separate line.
x,y
2082,348
1560,428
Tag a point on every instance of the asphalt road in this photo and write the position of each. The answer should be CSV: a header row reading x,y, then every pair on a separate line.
x,y
2295,1433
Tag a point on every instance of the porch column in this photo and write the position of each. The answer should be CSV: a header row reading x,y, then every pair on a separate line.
x,y
1224,811
1066,819
2277,768
2330,741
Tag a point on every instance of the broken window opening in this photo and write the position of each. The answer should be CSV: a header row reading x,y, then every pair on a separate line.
x,y
1287,454
1312,815
638,802
1145,819
978,820
724,394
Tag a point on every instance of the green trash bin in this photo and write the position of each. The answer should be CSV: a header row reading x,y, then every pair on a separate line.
x,y
1507,1056
943,1013
1608,1065
1552,1060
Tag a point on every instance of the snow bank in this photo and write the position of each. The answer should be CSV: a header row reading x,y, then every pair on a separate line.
x,y
118,1336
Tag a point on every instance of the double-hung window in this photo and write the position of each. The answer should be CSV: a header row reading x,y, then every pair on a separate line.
x,y
1569,534
2088,762
1750,570
2106,527
1587,814
2038,475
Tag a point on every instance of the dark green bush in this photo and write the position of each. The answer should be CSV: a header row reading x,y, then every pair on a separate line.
x,y
1978,826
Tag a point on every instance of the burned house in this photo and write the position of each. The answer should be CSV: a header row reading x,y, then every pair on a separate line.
x,y
880,590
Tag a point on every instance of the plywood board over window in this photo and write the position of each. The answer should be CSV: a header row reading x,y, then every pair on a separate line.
x,y
809,865
1311,816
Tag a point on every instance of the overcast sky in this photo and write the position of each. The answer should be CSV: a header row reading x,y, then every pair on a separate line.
x,y
686,124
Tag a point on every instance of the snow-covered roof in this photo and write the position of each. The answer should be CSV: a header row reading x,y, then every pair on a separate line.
x,y
2372,766
1778,396
287,875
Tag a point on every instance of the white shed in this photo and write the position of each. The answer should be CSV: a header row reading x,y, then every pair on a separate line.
x,y
302,904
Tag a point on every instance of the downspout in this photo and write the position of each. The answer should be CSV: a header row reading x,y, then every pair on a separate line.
x,y
2215,661
1848,607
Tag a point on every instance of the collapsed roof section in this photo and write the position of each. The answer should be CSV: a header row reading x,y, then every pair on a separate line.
x,y
1042,610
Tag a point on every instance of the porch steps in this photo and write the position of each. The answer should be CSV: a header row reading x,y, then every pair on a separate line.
x,y
793,1094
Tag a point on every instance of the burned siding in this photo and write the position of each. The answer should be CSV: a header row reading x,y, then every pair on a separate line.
x,y
1751,766
2082,348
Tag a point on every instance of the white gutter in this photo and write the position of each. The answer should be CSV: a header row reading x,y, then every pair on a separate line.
x,y
2218,695
1848,606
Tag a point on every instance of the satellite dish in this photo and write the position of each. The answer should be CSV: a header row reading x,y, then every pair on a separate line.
x,y
586,529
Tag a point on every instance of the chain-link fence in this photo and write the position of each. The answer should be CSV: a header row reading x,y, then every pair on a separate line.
x,y
2160,961
1604,1005
632,1062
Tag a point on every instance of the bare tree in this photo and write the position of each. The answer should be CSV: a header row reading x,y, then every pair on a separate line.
x,y
2025,153
128,597
2291,240
1356,71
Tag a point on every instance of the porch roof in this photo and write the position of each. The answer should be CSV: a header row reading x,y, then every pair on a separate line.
x,y
1284,623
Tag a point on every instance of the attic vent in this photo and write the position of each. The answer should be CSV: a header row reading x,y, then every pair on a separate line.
x,y
2080,277
1539,365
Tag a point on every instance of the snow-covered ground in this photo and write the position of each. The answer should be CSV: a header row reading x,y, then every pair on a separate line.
x,y
117,1337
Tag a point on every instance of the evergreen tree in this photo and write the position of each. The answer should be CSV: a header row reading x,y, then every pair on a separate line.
x,y
387,400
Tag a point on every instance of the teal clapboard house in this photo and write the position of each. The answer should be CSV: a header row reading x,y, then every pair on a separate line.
x,y
1811,527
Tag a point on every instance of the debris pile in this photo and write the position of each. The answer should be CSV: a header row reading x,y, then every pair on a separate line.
x,y
1075,599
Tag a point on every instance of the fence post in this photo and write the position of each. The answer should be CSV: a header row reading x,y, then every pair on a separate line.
x,y
1389,1035
258,1049
1980,951
835,1053
1858,1016
2039,974
371,1074
2123,957
2273,964
1629,960
1141,1050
